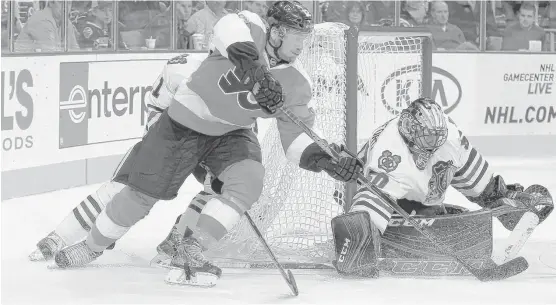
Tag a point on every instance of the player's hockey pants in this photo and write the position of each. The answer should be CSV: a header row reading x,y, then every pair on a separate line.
x,y
157,167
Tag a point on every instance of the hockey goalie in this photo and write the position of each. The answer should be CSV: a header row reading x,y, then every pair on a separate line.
x,y
414,158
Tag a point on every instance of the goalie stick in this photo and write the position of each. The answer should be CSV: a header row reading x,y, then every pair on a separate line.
x,y
490,272
520,234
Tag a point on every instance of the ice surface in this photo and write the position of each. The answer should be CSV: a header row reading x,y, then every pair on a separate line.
x,y
124,276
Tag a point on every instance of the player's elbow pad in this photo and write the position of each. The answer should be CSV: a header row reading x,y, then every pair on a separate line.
x,y
243,55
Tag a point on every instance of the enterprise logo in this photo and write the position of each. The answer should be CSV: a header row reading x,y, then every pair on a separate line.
x,y
76,105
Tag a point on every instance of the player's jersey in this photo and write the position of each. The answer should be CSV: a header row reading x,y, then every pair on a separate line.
x,y
174,72
214,102
391,166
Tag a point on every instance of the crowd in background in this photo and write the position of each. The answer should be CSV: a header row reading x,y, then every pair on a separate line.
x,y
510,25
40,26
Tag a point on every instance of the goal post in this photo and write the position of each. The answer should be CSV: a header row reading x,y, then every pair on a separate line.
x,y
361,78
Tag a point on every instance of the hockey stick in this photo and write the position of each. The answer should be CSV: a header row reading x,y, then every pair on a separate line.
x,y
288,276
491,272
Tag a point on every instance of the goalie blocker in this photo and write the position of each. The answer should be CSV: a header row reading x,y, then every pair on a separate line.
x,y
403,251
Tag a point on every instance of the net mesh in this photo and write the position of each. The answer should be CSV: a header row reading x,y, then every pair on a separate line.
x,y
296,206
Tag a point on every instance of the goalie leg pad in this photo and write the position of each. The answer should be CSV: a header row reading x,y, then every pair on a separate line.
x,y
357,244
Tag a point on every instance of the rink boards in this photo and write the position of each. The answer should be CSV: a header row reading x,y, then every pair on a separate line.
x,y
76,115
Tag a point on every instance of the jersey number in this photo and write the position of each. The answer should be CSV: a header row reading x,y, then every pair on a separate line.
x,y
156,91
379,179
229,83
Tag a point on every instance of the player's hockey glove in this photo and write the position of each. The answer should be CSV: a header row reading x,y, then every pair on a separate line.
x,y
266,89
345,169
153,116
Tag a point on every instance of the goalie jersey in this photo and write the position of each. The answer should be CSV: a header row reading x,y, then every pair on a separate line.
x,y
214,102
390,165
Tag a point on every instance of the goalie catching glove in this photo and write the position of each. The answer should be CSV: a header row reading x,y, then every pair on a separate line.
x,y
266,89
497,193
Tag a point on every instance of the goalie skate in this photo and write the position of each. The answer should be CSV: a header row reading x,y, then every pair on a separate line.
x,y
190,267
47,247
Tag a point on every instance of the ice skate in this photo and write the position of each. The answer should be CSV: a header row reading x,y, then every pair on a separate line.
x,y
75,256
167,249
190,267
47,247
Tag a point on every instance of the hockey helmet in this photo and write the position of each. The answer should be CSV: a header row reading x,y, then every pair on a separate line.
x,y
423,127
290,15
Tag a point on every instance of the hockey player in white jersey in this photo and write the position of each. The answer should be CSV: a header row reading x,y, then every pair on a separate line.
x,y
76,225
414,158
209,121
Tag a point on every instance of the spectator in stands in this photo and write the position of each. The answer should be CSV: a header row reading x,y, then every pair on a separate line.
x,y
518,34
203,21
183,13
43,31
548,15
142,20
511,10
333,11
197,6
258,7
465,15
93,27
16,25
78,8
380,12
355,14
232,6
446,36
414,12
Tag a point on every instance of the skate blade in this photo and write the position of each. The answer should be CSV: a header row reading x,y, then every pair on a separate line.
x,y
36,256
161,261
199,279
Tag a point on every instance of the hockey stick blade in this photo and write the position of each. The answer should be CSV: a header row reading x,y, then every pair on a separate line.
x,y
288,277
500,272
292,283
497,272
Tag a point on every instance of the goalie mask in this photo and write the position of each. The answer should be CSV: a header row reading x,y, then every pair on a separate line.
x,y
423,127
289,25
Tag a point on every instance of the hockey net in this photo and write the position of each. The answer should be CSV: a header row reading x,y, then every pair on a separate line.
x,y
296,206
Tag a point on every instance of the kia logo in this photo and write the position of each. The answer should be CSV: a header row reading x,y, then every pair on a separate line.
x,y
446,90
403,86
